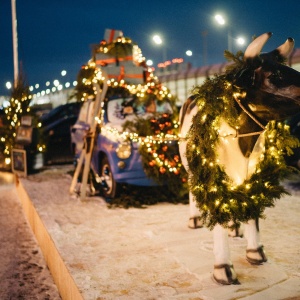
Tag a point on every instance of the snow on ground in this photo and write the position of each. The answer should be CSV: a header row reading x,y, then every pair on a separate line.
x,y
152,254
23,271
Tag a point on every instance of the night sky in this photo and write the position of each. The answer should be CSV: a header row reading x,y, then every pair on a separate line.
x,y
57,35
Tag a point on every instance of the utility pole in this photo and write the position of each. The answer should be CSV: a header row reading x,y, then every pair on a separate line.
x,y
15,42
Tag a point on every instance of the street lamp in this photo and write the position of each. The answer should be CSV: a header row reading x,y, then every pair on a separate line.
x,y
221,21
149,63
8,85
240,41
189,53
159,41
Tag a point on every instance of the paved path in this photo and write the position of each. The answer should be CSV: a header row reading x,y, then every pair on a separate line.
x,y
151,254
135,254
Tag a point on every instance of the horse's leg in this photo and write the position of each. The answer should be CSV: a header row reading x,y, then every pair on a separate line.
x,y
194,220
223,269
255,252
236,231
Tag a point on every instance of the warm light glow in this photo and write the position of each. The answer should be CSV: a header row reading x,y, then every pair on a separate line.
x,y
240,40
220,19
149,62
157,39
189,53
56,82
8,85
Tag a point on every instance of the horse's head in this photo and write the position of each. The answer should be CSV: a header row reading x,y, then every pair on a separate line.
x,y
272,88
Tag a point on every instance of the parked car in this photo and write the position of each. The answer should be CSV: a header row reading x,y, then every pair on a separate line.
x,y
115,160
56,134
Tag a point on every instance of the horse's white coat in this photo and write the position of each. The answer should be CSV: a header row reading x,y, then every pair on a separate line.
x,y
236,165
238,168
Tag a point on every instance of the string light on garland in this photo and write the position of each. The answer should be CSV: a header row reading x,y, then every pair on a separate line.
x,y
156,136
18,107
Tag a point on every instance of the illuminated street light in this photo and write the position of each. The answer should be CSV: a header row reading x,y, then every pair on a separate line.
x,y
240,41
149,62
8,85
56,82
159,41
189,53
63,73
221,21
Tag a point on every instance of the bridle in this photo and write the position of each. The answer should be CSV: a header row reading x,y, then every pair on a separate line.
x,y
238,101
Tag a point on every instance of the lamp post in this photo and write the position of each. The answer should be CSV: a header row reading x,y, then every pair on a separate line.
x,y
158,41
221,21
204,41
15,42
240,41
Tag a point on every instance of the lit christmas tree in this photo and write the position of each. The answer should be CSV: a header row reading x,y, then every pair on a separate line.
x,y
157,136
18,107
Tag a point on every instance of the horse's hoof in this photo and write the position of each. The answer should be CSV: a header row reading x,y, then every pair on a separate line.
x,y
225,274
195,223
256,256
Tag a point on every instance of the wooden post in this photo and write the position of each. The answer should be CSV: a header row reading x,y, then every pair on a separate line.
x,y
15,42
87,151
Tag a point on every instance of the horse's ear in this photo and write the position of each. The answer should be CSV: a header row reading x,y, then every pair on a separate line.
x,y
255,47
244,78
286,48
281,53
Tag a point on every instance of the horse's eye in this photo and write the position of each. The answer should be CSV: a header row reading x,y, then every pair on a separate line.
x,y
276,78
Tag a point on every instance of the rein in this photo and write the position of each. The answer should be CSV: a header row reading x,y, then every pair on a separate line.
x,y
238,101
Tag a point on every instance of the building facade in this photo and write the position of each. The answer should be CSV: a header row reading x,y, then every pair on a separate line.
x,y
181,82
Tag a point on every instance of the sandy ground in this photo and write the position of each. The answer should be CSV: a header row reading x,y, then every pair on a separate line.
x,y
139,253
23,271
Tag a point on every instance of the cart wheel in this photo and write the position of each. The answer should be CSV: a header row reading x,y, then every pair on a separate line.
x,y
110,186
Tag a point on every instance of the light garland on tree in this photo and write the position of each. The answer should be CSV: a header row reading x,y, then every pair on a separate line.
x,y
158,146
18,107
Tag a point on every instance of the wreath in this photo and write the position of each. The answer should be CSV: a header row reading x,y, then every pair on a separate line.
x,y
218,198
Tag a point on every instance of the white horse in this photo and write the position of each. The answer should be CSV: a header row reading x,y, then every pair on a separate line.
x,y
232,148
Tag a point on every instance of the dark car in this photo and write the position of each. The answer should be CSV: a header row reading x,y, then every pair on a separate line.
x,y
63,111
55,133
